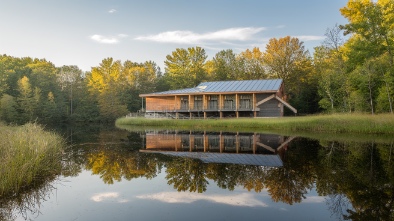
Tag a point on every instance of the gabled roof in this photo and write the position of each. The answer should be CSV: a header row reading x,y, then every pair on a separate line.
x,y
229,86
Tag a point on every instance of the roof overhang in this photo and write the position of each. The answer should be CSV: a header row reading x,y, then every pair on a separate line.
x,y
208,93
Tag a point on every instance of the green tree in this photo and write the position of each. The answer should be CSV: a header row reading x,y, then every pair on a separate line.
x,y
331,72
104,84
371,43
372,23
8,108
185,67
225,66
26,99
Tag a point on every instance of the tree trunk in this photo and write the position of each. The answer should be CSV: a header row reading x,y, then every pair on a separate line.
x,y
370,93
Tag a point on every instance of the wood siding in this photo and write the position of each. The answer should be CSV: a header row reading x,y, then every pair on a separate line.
x,y
271,108
161,104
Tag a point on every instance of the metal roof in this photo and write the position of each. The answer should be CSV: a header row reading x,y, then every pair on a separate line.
x,y
229,86
242,159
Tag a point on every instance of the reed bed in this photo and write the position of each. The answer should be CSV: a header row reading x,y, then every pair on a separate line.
x,y
27,154
335,123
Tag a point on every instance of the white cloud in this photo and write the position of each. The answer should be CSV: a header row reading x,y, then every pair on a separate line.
x,y
108,39
112,11
310,38
100,197
244,199
189,37
104,40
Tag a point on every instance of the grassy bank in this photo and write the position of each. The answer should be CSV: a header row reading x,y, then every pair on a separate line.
x,y
336,123
27,154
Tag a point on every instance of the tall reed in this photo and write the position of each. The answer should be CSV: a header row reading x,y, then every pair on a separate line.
x,y
27,154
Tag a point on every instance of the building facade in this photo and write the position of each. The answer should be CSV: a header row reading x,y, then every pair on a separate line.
x,y
250,98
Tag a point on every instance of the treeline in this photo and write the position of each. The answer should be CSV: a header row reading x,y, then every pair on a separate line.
x,y
343,75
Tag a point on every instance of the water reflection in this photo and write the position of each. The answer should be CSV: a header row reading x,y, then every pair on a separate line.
x,y
354,179
359,174
219,147
357,178
27,202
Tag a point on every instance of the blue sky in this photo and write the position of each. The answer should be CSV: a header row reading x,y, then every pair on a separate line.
x,y
76,32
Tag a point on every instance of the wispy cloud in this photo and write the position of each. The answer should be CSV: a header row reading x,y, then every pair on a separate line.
x,y
310,38
112,11
314,199
108,39
189,37
100,197
244,199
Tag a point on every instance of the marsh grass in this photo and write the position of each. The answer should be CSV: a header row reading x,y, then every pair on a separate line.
x,y
27,154
335,123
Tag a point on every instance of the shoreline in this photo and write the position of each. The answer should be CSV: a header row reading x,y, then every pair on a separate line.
x,y
335,123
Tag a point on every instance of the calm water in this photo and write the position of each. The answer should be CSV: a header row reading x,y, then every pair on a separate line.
x,y
146,174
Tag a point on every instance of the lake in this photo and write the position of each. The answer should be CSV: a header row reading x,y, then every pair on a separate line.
x,y
158,174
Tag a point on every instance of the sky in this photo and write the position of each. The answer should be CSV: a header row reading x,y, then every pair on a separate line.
x,y
84,32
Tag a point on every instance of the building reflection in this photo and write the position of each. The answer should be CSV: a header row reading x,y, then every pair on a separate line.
x,y
219,147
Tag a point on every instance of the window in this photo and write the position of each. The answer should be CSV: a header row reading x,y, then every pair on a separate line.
x,y
198,102
213,102
184,103
245,101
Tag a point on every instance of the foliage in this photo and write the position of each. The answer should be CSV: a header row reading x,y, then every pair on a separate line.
x,y
185,67
353,74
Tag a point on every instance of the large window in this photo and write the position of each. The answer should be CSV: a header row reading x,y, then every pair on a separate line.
x,y
245,102
229,102
213,102
198,102
184,103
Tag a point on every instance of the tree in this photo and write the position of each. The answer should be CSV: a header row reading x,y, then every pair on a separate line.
x,y
372,22
103,83
25,99
185,67
286,58
225,66
372,40
330,68
251,65
69,77
8,108
140,78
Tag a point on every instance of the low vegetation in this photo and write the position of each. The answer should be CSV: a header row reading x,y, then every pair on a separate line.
x,y
27,154
335,123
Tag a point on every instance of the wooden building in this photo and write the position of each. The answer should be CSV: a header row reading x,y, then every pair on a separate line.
x,y
250,98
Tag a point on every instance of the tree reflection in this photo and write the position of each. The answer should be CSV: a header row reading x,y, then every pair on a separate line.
x,y
290,183
358,178
113,165
187,175
364,173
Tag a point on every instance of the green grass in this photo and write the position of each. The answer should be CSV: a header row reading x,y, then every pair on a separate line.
x,y
335,123
27,154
